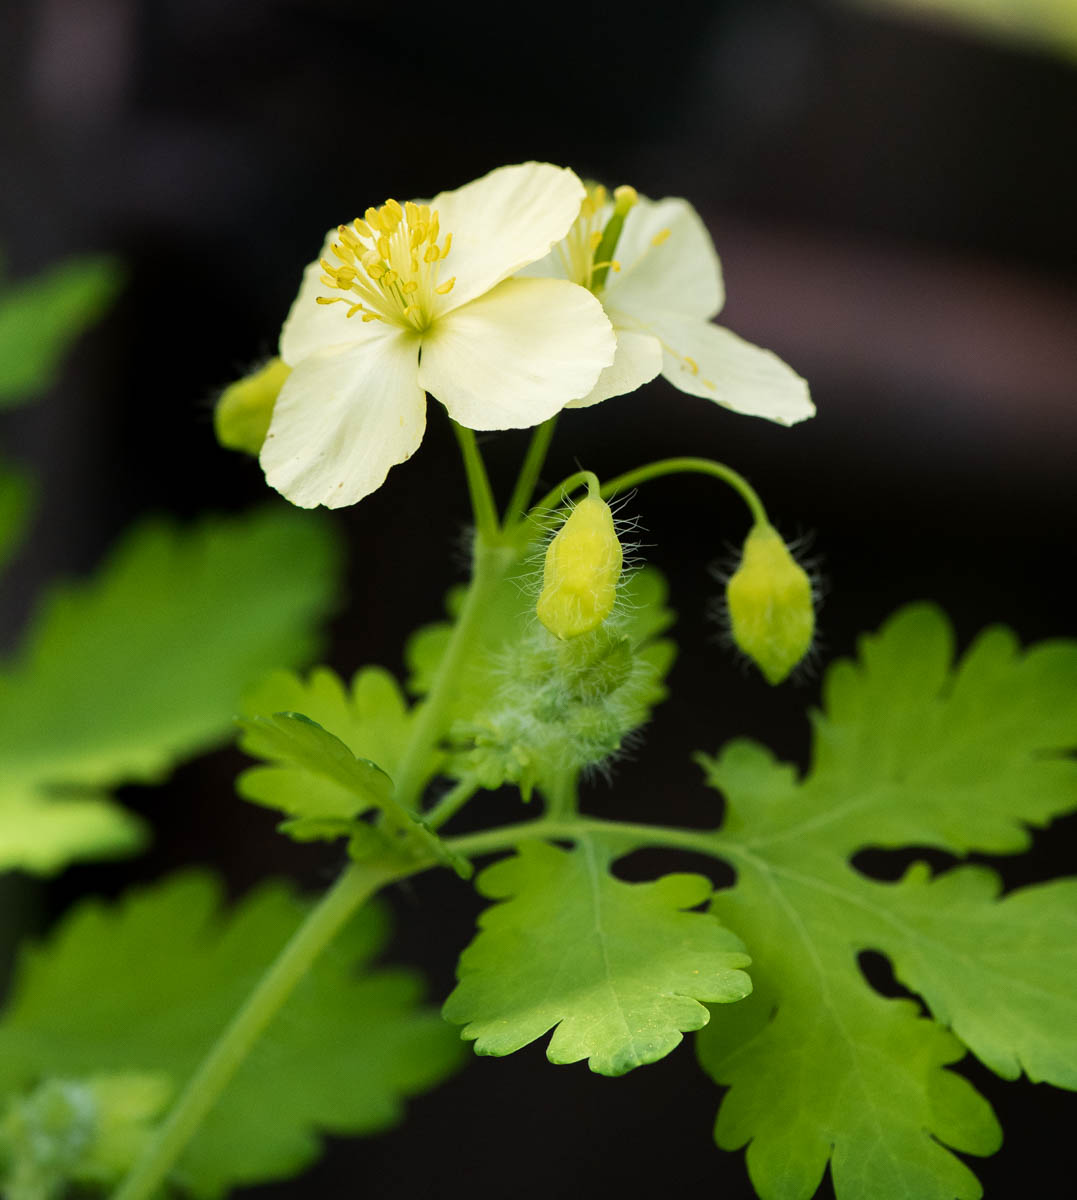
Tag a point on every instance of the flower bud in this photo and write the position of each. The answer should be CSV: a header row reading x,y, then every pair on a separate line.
x,y
583,565
770,604
245,409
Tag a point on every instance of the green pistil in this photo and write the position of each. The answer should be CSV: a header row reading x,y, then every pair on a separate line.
x,y
624,198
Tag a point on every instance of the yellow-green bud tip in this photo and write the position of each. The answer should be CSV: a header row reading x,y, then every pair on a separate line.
x,y
770,605
245,409
583,565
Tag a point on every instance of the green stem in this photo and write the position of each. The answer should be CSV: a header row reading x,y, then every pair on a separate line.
x,y
504,837
450,804
655,470
491,563
355,886
529,472
478,484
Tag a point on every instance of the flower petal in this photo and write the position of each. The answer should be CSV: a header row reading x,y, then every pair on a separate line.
x,y
343,419
311,327
637,361
502,222
681,274
517,355
707,360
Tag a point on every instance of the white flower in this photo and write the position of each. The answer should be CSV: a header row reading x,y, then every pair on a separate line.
x,y
381,319
660,283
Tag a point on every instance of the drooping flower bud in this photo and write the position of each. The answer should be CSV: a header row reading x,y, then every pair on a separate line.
x,y
245,409
769,598
583,565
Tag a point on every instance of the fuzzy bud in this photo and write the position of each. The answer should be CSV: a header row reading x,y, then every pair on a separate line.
x,y
245,409
583,566
769,599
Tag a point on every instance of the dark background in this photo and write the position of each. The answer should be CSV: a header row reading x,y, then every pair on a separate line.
x,y
894,206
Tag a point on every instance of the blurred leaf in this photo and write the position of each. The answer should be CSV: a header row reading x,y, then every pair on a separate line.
x,y
146,984
42,316
124,675
1048,23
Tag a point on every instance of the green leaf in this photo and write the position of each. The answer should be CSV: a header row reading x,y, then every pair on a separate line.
x,y
371,722
124,675
616,969
320,783
146,984
820,1067
41,317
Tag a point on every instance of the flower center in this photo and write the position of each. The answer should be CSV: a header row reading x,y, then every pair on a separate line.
x,y
389,263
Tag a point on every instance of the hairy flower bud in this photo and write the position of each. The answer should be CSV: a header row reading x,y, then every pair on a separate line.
x,y
583,565
245,409
769,598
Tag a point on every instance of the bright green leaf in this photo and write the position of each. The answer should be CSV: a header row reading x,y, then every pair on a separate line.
x,y
618,970
122,676
370,721
42,316
146,984
820,1067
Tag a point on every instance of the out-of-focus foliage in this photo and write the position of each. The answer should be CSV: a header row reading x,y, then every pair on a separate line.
x,y
140,989
1048,23
121,676
15,503
42,316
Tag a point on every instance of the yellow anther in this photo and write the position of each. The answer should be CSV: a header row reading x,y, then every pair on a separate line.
x,y
625,196
349,237
354,309
362,228
375,269
328,299
383,246
615,264
411,211
329,281
410,286
418,233
389,279
448,244
443,289
594,240
373,219
432,254
661,236
371,316
396,212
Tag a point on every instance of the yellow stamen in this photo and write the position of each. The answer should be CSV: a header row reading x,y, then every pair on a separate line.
x,y
432,254
444,289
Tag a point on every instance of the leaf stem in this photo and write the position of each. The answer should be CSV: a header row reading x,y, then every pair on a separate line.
x,y
529,471
655,470
352,889
478,483
450,804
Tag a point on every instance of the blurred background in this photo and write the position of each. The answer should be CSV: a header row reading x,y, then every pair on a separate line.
x,y
893,193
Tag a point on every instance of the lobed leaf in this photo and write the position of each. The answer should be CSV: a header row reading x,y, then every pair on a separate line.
x,y
617,970
909,749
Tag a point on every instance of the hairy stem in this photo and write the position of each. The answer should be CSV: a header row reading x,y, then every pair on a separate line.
x,y
655,470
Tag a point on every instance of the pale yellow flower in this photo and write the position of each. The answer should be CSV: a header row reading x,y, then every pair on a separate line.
x,y
418,298
661,288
